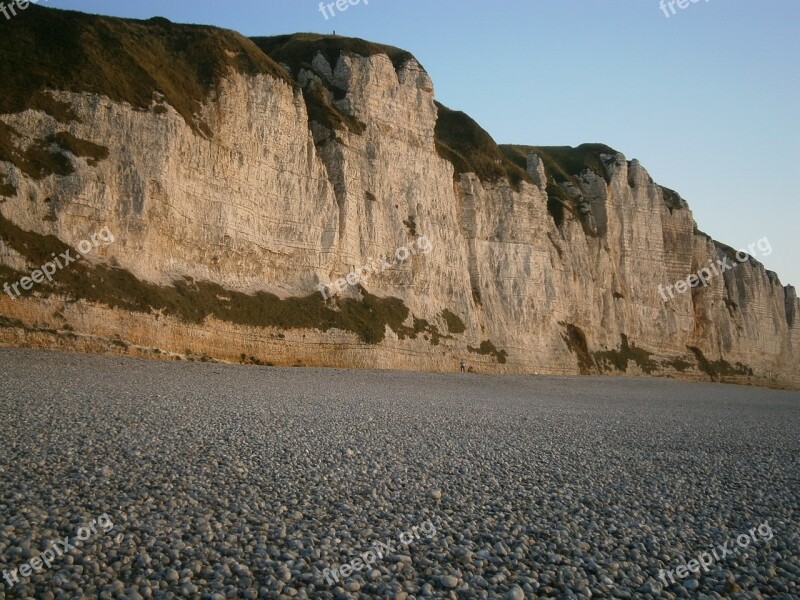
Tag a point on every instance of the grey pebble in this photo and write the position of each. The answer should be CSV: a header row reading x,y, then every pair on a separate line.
x,y
233,481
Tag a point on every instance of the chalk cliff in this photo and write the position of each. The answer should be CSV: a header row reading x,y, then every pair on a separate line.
x,y
237,174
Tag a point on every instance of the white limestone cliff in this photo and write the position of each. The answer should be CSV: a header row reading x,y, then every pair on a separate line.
x,y
267,203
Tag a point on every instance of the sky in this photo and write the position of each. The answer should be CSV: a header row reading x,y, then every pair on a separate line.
x,y
705,98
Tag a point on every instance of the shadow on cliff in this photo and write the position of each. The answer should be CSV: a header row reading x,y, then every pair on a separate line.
x,y
192,301
628,355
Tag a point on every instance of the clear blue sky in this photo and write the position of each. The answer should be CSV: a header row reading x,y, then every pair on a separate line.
x,y
706,99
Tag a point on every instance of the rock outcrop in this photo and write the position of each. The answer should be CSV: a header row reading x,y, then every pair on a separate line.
x,y
237,175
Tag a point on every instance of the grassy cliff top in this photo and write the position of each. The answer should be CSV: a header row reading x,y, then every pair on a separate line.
x,y
298,50
126,60
563,163
471,149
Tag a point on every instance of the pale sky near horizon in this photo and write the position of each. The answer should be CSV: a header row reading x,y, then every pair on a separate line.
x,y
706,98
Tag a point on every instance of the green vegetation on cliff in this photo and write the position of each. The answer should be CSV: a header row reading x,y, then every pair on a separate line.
x,y
47,156
471,149
193,301
299,49
562,165
123,59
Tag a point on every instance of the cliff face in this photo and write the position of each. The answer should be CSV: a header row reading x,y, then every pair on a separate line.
x,y
236,175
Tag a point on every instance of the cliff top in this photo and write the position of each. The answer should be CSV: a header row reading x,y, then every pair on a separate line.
x,y
297,50
142,62
124,59
564,163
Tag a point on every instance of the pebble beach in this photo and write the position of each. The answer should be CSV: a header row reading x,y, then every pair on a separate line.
x,y
228,481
